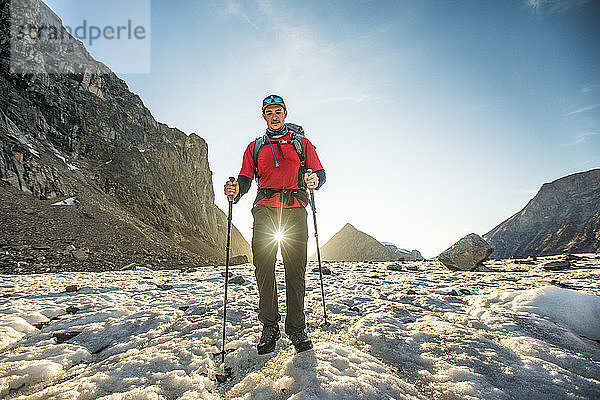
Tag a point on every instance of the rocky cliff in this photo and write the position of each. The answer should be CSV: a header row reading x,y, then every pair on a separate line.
x,y
72,128
350,244
563,217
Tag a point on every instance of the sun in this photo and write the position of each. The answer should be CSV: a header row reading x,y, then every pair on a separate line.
x,y
279,235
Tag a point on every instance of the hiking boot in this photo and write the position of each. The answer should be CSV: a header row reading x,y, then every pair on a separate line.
x,y
268,339
301,341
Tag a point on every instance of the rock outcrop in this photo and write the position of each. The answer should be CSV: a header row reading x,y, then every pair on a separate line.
x,y
468,254
350,244
563,217
403,254
78,131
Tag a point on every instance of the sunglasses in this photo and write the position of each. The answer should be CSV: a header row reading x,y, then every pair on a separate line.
x,y
272,100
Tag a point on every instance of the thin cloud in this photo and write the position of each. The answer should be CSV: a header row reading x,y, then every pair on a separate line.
x,y
581,138
584,109
292,55
359,98
590,88
595,163
303,53
555,6
313,59
235,9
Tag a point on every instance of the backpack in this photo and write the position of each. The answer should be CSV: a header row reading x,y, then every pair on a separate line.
x,y
296,135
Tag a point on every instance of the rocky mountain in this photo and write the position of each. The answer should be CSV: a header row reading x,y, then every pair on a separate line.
x,y
413,255
350,244
69,127
563,217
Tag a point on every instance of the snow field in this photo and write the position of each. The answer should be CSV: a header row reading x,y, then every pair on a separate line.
x,y
576,310
331,371
393,335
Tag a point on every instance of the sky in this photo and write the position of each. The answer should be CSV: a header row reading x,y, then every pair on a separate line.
x,y
433,119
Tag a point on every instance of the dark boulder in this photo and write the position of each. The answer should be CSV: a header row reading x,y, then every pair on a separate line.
x,y
238,280
238,260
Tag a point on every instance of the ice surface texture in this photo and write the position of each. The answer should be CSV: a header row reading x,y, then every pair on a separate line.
x,y
394,334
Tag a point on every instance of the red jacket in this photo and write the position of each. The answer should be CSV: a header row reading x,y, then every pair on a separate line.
x,y
285,176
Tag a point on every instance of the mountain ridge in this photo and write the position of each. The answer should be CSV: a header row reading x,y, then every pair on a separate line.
x,y
563,217
350,244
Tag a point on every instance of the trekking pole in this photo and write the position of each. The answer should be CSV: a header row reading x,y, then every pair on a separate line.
x,y
314,211
231,179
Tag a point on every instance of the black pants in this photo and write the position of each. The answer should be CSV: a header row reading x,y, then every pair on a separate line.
x,y
292,221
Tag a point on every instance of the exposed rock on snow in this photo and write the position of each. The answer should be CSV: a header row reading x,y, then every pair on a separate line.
x,y
62,337
238,260
72,310
395,267
557,265
73,288
528,261
80,255
238,280
129,267
467,254
164,286
324,270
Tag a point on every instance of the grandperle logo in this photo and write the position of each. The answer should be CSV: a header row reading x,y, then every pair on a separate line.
x,y
49,38
85,32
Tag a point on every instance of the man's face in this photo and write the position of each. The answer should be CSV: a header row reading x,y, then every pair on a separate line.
x,y
275,117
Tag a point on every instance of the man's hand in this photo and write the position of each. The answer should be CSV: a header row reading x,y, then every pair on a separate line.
x,y
311,180
231,189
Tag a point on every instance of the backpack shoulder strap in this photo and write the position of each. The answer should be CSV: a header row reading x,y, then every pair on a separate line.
x,y
258,144
296,135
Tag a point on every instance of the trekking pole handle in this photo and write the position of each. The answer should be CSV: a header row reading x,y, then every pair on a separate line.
x,y
309,172
231,179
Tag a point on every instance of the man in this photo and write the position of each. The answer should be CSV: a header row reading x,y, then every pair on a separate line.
x,y
279,160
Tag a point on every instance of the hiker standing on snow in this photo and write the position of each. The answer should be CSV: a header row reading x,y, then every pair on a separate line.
x,y
279,160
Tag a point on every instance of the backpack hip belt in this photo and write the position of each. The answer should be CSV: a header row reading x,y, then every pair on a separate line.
x,y
287,196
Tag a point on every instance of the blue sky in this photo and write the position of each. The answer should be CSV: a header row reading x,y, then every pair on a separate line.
x,y
433,119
